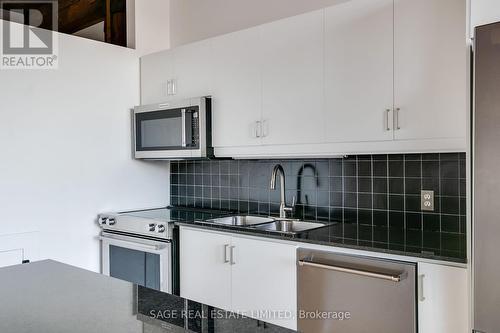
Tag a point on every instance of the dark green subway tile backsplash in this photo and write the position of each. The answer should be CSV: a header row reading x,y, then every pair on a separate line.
x,y
375,199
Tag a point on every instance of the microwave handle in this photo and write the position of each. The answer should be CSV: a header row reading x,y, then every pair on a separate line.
x,y
183,132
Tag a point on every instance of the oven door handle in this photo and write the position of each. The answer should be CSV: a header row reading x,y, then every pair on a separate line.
x,y
151,246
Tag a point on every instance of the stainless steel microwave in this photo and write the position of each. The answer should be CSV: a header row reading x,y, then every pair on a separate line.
x,y
173,130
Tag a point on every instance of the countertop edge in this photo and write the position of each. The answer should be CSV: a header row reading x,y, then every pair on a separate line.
x,y
324,245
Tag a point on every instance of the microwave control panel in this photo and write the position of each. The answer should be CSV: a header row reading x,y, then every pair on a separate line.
x,y
196,129
193,130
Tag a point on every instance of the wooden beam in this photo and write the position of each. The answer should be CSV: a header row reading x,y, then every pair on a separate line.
x,y
115,25
75,15
119,29
107,23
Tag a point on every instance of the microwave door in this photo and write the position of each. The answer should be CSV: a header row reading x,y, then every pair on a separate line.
x,y
160,130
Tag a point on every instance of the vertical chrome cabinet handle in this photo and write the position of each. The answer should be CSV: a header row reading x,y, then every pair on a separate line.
x,y
258,129
421,296
183,129
396,115
174,86
231,255
264,128
387,114
226,259
169,82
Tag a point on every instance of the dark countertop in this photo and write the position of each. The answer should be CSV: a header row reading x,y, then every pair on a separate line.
x,y
327,236
51,297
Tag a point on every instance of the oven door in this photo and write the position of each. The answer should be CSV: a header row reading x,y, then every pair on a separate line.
x,y
141,261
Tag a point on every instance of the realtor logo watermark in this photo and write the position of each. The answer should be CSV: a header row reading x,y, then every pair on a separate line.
x,y
29,40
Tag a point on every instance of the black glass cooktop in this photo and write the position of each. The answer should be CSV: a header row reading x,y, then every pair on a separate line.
x,y
176,214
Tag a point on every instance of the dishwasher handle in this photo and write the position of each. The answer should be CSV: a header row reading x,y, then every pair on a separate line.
x,y
383,276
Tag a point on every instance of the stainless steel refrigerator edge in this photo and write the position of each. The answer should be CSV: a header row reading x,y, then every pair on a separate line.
x,y
486,180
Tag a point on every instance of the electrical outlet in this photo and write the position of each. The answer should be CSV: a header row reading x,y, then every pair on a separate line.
x,y
427,201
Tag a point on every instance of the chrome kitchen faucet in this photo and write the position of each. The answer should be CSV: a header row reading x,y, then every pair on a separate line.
x,y
278,169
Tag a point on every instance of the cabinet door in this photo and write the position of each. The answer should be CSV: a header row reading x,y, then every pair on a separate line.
x,y
292,80
156,70
192,70
430,69
205,276
359,71
442,299
264,279
11,257
236,98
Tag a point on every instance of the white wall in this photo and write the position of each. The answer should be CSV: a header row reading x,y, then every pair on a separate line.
x,y
148,25
66,152
192,20
484,12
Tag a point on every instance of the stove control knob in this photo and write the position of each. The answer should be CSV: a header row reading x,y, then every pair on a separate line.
x,y
161,228
102,220
152,227
111,221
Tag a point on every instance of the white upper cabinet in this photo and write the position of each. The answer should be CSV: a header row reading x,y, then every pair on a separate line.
x,y
430,78
292,80
359,77
359,71
237,89
179,73
157,70
192,70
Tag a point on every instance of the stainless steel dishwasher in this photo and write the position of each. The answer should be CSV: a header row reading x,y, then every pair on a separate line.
x,y
350,294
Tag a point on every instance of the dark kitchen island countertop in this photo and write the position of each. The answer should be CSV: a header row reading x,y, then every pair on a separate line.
x,y
51,297
327,236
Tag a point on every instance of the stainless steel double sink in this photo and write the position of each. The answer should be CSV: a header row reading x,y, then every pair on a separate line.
x,y
270,224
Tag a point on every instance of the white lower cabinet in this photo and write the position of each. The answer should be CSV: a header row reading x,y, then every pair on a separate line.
x,y
205,274
442,299
236,273
264,280
257,277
